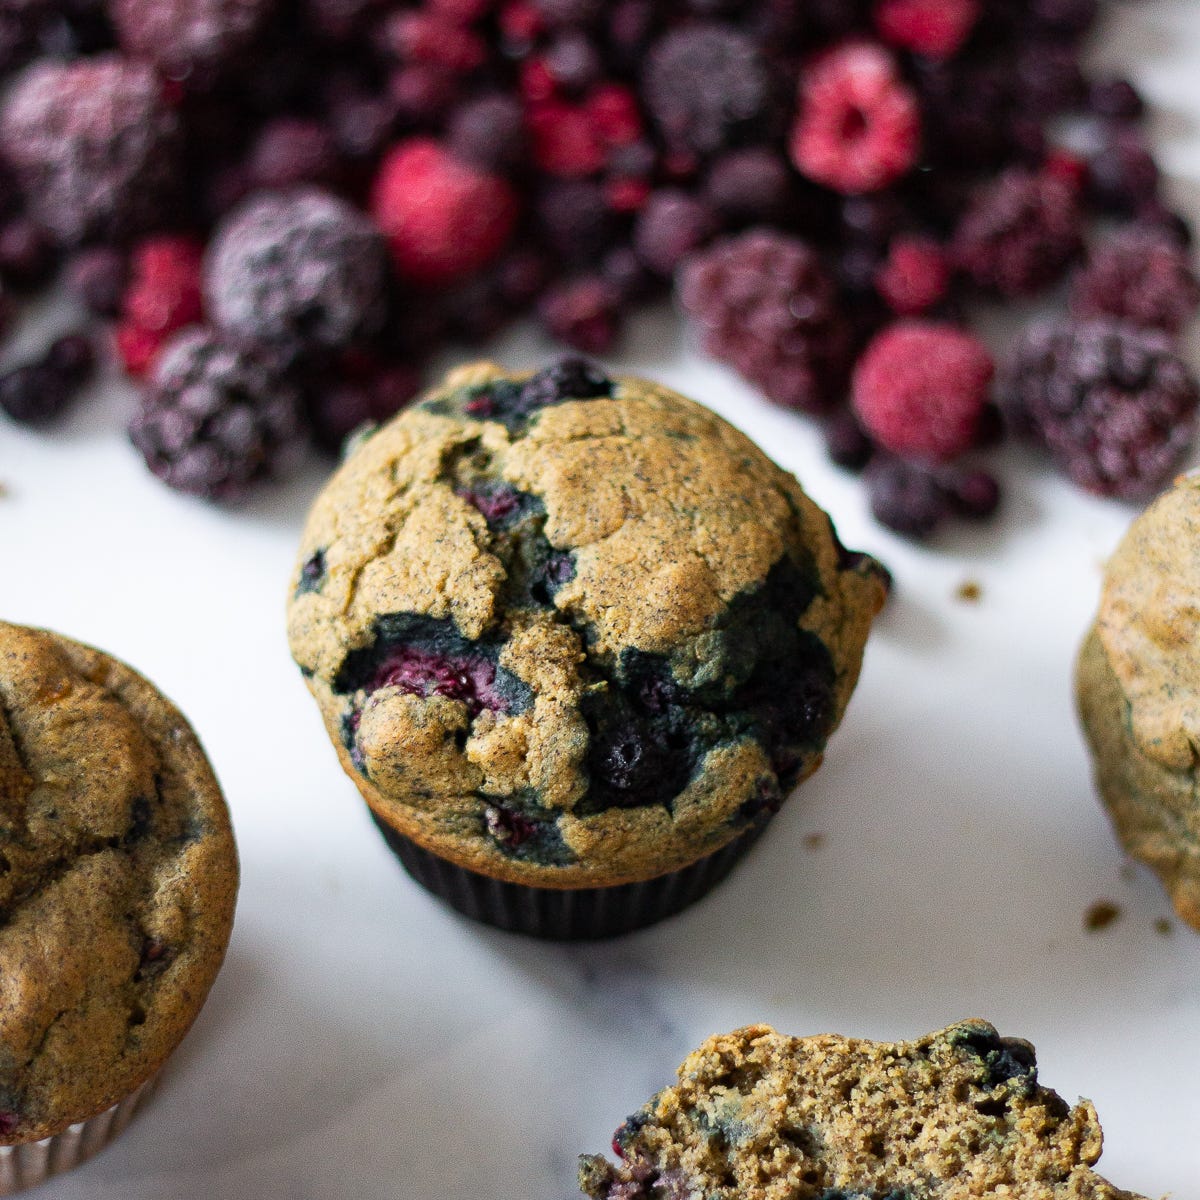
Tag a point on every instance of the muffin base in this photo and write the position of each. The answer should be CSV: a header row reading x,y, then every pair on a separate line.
x,y
566,914
31,1163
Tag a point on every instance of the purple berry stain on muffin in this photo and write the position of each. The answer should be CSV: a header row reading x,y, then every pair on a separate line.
x,y
469,679
312,573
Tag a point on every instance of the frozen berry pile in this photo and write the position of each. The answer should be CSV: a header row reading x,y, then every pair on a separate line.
x,y
279,208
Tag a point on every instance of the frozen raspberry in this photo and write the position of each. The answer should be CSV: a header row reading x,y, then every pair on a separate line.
x,y
906,497
1142,276
671,225
1020,233
291,151
93,146
218,418
191,41
766,304
858,128
566,140
920,389
914,277
300,271
443,218
164,287
1115,406
585,313
426,37
709,87
932,28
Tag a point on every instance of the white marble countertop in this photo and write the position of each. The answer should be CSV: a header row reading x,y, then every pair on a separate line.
x,y
364,1042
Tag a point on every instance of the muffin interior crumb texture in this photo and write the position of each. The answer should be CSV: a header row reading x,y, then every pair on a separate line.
x,y
574,631
117,881
760,1116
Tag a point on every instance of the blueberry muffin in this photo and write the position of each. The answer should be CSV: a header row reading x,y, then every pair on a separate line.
x,y
1138,689
575,640
118,875
760,1116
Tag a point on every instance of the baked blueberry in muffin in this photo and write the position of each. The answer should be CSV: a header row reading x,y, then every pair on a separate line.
x,y
572,633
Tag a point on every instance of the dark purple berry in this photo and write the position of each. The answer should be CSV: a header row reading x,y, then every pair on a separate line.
x,y
906,498
93,146
336,408
750,185
766,304
973,494
567,379
709,87
1020,233
73,357
846,442
301,271
218,418
1114,404
670,227
194,42
98,276
1123,177
573,62
27,258
584,312
489,132
290,151
34,394
1116,99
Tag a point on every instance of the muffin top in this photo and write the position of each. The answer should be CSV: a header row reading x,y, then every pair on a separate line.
x,y
118,875
1149,625
760,1116
571,631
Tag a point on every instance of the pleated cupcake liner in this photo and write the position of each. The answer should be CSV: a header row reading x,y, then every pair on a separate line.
x,y
568,914
31,1163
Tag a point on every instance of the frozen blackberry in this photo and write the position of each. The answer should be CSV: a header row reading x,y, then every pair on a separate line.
x,y
670,226
218,418
1115,406
709,87
1141,275
1020,234
301,271
192,41
93,146
766,304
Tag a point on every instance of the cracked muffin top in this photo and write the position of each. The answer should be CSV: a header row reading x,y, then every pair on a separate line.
x,y
572,631
760,1116
1138,691
118,875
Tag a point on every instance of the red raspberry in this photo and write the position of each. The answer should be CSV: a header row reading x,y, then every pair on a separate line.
x,y
163,295
566,140
521,21
932,28
614,112
914,277
428,38
920,389
443,219
858,128
536,83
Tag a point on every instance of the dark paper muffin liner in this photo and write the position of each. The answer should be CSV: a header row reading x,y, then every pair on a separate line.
x,y
569,914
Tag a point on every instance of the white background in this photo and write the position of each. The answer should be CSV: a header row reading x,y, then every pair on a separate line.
x,y
363,1042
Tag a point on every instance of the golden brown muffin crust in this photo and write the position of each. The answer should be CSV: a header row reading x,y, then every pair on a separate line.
x,y
957,1115
664,524
118,876
1138,689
